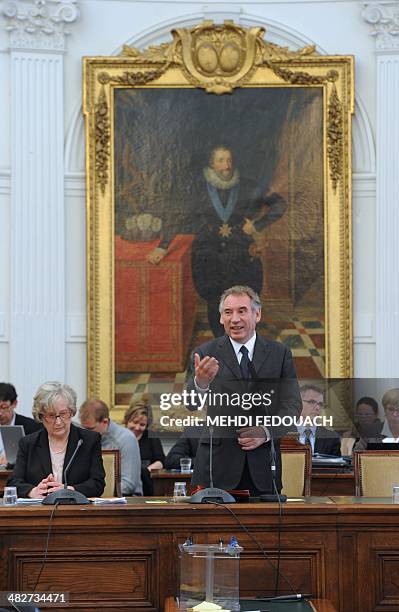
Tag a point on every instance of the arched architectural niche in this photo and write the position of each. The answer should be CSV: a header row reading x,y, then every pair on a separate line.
x,y
363,142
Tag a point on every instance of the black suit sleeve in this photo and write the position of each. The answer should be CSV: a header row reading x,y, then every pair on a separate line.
x,y
184,447
288,399
94,485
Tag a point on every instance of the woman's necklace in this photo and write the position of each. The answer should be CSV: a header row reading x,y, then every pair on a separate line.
x,y
58,452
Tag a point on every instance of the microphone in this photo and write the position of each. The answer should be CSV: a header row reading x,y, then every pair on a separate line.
x,y
273,497
79,444
211,494
293,597
65,495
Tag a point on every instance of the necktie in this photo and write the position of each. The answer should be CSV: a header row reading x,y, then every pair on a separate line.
x,y
308,436
244,363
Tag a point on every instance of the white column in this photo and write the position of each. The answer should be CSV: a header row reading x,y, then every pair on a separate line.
x,y
384,20
37,312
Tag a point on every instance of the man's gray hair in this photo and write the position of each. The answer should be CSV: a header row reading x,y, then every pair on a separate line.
x,y
310,387
241,290
48,395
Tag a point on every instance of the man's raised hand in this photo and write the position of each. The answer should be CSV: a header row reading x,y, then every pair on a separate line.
x,y
205,370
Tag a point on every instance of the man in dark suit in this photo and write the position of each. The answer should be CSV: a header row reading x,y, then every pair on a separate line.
x,y
244,363
322,440
8,416
185,447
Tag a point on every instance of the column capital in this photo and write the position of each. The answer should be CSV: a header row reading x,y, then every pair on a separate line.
x,y
40,25
383,17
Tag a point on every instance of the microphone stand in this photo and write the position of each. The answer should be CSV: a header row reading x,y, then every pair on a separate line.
x,y
211,494
66,496
273,497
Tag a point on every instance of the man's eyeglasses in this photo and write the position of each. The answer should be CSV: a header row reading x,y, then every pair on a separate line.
x,y
51,417
313,403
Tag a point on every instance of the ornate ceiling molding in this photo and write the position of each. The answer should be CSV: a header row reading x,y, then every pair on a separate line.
x,y
39,24
384,20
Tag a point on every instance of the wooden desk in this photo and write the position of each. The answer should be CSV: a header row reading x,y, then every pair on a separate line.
x,y
318,605
331,483
163,481
125,557
323,483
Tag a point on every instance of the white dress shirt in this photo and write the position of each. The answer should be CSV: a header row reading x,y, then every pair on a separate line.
x,y
250,345
312,436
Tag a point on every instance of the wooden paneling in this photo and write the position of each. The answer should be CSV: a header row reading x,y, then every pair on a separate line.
x,y
328,483
126,558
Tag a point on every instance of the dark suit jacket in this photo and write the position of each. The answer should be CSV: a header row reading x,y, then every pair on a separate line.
x,y
186,446
327,442
275,369
29,425
86,474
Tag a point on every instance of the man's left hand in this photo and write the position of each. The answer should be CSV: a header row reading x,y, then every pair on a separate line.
x,y
248,227
250,438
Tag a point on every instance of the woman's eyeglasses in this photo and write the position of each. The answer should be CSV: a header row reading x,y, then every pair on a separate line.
x,y
51,417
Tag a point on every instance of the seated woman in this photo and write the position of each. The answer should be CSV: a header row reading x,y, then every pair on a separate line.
x,y
387,431
43,455
138,418
366,425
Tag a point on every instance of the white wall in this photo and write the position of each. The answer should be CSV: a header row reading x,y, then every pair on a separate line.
x,y
101,29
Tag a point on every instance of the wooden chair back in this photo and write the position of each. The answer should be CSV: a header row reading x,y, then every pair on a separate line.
x,y
296,469
376,472
112,467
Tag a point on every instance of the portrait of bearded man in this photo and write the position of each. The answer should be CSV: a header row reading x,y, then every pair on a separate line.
x,y
227,212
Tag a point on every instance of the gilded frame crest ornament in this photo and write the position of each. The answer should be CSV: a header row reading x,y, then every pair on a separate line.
x,y
219,59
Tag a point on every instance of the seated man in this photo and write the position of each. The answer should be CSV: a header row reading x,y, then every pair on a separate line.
x,y
94,415
321,439
185,447
8,416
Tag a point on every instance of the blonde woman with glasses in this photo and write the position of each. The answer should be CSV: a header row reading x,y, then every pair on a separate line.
x,y
43,455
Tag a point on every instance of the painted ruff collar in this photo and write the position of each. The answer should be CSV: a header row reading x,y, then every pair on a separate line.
x,y
216,181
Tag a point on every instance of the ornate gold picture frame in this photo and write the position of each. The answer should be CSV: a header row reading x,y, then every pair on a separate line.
x,y
154,120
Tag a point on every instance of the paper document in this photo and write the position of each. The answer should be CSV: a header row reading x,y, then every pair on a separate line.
x,y
108,500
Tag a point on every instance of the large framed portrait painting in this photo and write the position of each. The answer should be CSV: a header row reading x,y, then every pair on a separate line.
x,y
213,160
